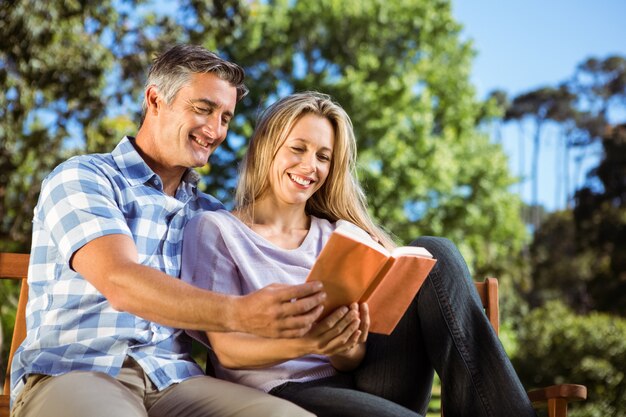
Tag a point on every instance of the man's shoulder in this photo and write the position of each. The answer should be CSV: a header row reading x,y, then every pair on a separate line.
x,y
208,202
79,168
89,162
97,163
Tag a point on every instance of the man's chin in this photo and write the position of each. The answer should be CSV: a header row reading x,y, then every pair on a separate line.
x,y
201,160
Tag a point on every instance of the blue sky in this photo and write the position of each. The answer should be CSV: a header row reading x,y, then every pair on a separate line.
x,y
522,45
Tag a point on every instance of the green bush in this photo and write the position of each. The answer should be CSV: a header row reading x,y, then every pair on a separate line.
x,y
557,346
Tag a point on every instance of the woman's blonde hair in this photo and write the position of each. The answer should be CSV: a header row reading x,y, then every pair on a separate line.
x,y
341,196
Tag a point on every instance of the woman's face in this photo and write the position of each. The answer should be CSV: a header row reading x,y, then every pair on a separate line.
x,y
303,161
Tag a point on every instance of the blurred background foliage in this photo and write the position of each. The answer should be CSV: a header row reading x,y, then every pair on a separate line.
x,y
72,74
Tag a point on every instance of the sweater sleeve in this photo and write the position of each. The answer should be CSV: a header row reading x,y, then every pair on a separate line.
x,y
206,261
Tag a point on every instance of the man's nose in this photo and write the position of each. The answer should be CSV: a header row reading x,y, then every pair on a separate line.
x,y
214,128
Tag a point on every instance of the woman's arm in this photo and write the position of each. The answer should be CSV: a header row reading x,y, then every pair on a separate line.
x,y
337,333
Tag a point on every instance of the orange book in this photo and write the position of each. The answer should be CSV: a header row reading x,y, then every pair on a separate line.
x,y
354,268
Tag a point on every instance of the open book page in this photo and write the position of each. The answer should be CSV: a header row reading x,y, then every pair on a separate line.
x,y
410,251
389,300
346,267
355,268
354,232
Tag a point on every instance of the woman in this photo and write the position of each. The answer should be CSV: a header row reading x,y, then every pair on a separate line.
x,y
297,184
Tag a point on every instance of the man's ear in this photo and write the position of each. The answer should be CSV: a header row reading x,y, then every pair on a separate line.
x,y
153,99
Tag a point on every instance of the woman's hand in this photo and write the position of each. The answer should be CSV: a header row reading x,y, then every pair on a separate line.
x,y
336,333
340,336
354,352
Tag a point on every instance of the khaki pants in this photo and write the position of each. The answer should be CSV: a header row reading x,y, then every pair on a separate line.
x,y
132,394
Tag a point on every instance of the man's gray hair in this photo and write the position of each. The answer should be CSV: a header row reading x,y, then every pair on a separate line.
x,y
173,69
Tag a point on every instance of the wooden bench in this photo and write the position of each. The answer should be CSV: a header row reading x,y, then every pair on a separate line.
x,y
555,397
15,266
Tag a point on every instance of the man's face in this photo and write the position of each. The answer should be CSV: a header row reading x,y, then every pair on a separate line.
x,y
196,122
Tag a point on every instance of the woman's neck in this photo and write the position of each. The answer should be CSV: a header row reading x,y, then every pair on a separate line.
x,y
283,225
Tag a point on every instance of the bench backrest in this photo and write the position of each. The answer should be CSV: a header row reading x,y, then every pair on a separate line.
x,y
15,266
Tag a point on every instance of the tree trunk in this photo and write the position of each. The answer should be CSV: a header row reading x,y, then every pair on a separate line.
x,y
535,174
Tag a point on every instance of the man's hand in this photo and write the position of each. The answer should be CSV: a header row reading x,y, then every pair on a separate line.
x,y
279,311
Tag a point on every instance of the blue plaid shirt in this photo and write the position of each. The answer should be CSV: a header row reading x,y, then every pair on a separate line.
x,y
70,325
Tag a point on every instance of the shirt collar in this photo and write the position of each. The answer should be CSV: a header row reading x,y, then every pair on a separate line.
x,y
134,168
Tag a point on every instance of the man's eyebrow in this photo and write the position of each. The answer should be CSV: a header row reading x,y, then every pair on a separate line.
x,y
212,105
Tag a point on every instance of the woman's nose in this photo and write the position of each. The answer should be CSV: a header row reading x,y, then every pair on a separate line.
x,y
309,161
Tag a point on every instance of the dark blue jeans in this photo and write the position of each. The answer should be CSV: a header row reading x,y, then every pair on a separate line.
x,y
444,330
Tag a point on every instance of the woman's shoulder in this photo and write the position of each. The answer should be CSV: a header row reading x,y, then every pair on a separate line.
x,y
322,224
326,224
211,220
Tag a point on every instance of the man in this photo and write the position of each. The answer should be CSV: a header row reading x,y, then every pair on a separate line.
x,y
105,307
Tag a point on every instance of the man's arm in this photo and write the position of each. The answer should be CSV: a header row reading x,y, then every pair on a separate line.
x,y
110,264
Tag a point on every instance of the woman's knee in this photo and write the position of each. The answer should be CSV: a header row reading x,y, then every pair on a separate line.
x,y
451,265
435,244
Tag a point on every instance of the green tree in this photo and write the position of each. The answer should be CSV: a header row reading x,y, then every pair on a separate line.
x,y
398,67
577,254
53,68
600,216
72,73
560,269
427,168
557,346
543,105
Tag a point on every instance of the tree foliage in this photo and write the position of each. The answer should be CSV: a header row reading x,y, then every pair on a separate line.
x,y
72,75
557,346
577,254
427,168
600,216
53,68
546,104
560,270
398,67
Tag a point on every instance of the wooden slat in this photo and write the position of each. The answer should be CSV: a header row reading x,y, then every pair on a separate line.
x,y
488,293
14,265
493,303
4,406
19,333
570,392
481,288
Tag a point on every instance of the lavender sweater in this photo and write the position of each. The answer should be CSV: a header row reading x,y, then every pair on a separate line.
x,y
222,254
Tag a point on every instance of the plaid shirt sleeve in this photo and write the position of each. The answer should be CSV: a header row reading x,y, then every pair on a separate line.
x,y
77,205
